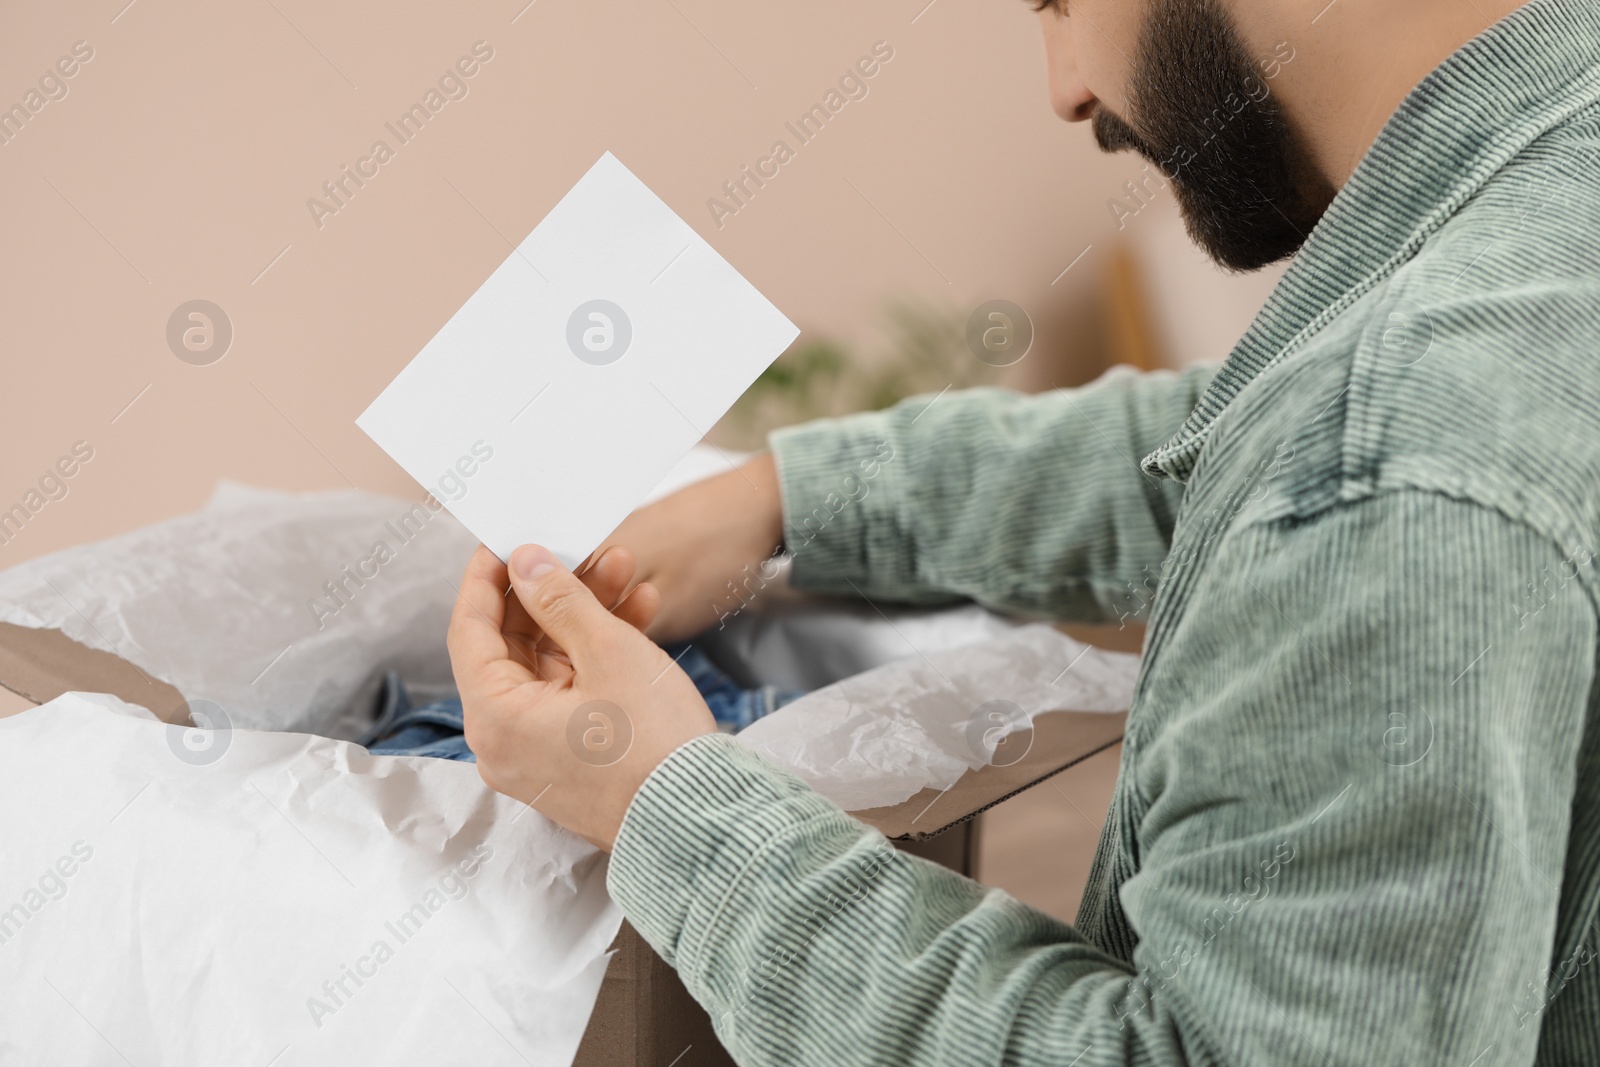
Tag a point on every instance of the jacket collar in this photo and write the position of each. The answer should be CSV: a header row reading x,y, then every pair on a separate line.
x,y
1452,133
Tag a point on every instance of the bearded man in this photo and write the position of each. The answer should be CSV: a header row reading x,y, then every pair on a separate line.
x,y
1357,819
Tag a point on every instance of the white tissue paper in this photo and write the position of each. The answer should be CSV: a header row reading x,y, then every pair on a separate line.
x,y
807,644
282,608
183,897
881,737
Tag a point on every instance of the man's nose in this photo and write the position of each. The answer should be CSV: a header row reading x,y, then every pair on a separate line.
x,y
1075,102
1070,96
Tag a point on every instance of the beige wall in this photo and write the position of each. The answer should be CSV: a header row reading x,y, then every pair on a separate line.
x,y
1198,310
179,164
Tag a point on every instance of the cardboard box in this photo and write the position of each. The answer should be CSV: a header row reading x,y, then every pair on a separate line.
x,y
644,1016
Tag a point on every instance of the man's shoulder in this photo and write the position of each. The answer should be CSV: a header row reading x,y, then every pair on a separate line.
x,y
1529,234
1472,370
1477,371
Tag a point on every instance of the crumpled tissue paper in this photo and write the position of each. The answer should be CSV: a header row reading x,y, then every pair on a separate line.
x,y
187,897
881,737
282,608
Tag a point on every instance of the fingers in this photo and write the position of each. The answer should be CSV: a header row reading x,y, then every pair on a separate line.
x,y
554,666
475,639
558,602
640,607
608,575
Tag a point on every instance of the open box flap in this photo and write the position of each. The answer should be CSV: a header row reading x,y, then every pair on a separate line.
x,y
1060,740
40,665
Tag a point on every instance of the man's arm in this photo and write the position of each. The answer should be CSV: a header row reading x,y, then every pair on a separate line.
x,y
1031,504
1313,887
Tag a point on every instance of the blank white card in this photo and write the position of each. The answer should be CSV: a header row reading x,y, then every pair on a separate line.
x,y
573,380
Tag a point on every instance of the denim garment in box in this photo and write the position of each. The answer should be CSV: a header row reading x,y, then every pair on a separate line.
x,y
436,730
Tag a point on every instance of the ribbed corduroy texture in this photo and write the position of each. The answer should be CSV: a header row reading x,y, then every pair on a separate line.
x,y
1358,818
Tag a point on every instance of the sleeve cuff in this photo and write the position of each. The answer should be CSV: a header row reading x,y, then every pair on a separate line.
x,y
842,482
696,827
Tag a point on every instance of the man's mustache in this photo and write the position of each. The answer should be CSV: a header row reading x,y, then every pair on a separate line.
x,y
1115,134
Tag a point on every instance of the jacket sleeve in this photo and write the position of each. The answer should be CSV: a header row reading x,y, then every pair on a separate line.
x,y
1029,504
1343,843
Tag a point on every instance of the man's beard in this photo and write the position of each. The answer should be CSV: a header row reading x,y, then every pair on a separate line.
x,y
1200,112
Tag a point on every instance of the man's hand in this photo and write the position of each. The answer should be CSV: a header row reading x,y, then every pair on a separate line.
x,y
693,543
568,706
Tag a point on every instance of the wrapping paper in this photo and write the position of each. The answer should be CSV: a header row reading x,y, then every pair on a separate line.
x,y
223,603
178,896
923,721
806,644
283,609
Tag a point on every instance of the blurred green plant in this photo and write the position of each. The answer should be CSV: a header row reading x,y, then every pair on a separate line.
x,y
923,349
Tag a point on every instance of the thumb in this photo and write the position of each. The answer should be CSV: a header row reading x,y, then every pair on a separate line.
x,y
559,604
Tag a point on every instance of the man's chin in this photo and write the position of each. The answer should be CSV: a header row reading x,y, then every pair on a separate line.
x,y
1222,208
1235,239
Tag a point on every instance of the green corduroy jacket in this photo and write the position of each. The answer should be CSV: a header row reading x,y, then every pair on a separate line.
x,y
1358,814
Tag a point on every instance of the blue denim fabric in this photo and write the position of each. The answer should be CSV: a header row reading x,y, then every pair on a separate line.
x,y
732,706
402,730
436,730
